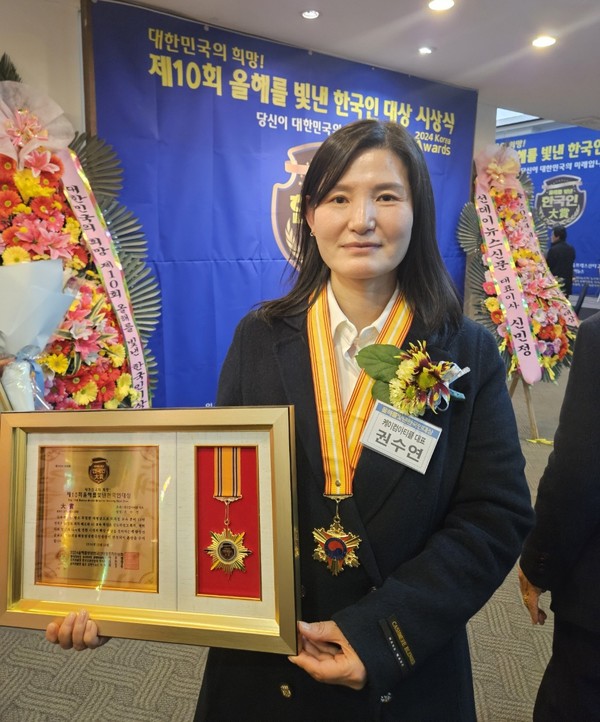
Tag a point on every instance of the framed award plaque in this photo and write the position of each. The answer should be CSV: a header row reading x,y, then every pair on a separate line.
x,y
173,525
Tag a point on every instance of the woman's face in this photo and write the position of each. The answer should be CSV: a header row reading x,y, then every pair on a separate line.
x,y
363,225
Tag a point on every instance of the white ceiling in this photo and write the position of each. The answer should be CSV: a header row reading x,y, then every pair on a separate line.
x,y
480,44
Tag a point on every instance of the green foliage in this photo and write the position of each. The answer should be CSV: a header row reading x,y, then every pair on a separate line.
x,y
380,361
8,70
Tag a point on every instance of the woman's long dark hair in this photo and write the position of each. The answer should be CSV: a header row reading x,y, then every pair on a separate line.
x,y
423,278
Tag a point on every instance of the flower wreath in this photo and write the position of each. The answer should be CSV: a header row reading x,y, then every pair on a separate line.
x,y
85,362
541,330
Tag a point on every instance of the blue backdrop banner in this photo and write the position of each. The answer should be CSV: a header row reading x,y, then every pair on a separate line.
x,y
214,131
564,167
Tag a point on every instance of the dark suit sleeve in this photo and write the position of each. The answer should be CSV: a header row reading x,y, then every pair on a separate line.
x,y
429,598
568,502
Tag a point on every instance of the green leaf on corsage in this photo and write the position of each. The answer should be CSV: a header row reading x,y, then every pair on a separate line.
x,y
380,362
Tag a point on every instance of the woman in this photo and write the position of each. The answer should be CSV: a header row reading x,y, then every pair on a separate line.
x,y
393,561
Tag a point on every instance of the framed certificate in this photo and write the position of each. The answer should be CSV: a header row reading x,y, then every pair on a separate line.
x,y
173,525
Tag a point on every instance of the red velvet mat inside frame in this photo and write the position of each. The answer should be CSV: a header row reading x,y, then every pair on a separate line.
x,y
243,517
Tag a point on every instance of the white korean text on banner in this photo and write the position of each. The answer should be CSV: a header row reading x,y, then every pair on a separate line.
x,y
214,131
564,167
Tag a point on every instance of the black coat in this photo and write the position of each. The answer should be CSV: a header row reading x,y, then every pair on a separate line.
x,y
560,258
434,546
562,553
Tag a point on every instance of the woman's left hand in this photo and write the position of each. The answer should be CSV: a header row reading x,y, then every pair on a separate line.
x,y
328,657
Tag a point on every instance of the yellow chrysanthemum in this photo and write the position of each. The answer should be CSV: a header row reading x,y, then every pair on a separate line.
x,y
406,370
548,362
116,353
123,386
427,379
29,186
403,397
114,403
58,363
431,375
15,254
73,228
491,303
87,394
76,263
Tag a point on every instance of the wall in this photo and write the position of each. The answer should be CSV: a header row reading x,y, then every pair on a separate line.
x,y
43,40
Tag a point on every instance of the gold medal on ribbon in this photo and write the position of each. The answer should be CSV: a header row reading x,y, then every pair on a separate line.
x,y
335,547
227,548
340,430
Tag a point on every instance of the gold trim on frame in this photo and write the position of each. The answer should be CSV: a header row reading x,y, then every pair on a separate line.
x,y
180,616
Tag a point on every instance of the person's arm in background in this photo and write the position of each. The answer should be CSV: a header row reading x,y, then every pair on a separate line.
x,y
568,502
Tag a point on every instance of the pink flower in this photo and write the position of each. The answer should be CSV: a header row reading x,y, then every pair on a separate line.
x,y
39,161
498,166
87,346
24,127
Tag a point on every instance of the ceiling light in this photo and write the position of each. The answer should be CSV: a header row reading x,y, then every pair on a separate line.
x,y
310,14
439,5
425,50
543,41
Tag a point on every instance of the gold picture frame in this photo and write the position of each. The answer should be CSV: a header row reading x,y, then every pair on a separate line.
x,y
128,514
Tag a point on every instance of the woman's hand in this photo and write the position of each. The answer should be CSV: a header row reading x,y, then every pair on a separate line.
x,y
76,631
328,657
531,599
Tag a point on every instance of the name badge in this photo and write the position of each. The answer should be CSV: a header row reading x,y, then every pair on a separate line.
x,y
406,439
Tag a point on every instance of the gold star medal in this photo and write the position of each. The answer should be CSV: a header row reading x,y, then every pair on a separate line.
x,y
335,547
227,551
227,548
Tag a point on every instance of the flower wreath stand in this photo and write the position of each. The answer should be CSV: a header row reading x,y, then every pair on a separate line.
x,y
79,302
515,294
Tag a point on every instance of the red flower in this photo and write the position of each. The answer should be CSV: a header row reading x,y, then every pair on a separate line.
x,y
547,333
81,253
8,201
7,168
75,383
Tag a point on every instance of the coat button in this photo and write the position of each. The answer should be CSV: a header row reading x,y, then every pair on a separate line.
x,y
302,591
373,589
285,690
385,698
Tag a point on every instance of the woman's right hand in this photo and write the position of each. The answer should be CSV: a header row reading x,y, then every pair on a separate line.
x,y
76,631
